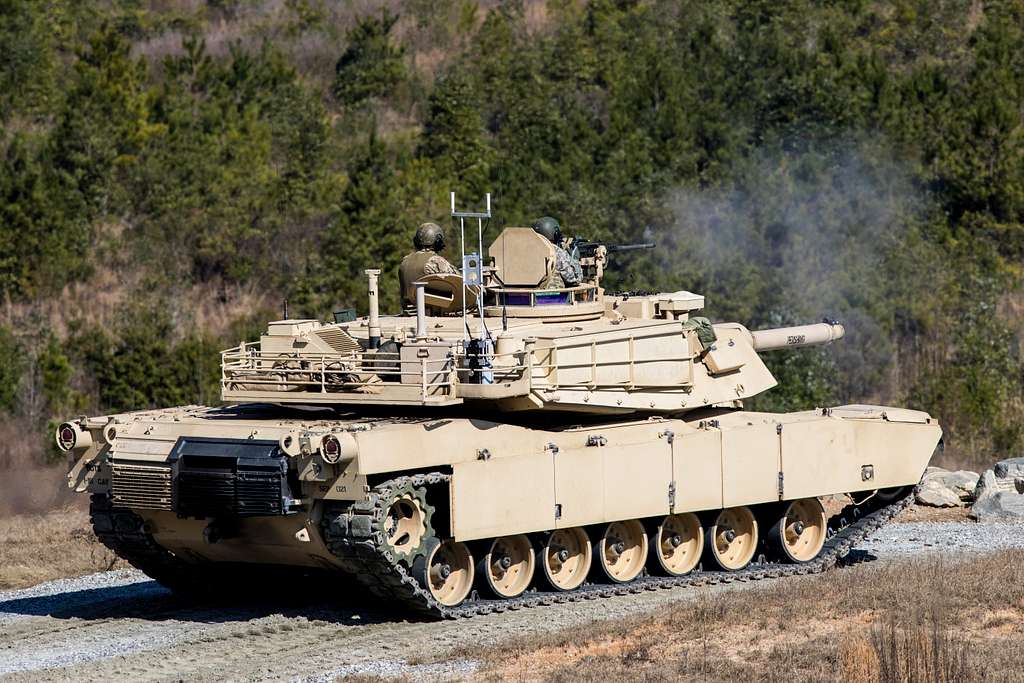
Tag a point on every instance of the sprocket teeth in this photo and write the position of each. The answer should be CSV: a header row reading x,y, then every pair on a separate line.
x,y
406,489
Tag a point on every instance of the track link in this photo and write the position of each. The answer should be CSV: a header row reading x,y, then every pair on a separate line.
x,y
351,537
124,532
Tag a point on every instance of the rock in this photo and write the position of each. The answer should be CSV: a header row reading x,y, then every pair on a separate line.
x,y
999,495
1008,469
986,485
942,488
934,494
1001,506
961,482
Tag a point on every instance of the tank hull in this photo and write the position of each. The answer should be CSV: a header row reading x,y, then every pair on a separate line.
x,y
497,479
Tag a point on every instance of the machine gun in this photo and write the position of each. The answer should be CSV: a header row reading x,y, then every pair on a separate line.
x,y
582,248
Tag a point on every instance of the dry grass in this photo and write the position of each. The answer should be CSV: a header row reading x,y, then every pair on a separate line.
x,y
59,544
927,620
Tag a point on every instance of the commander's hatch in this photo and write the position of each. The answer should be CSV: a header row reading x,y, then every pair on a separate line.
x,y
522,259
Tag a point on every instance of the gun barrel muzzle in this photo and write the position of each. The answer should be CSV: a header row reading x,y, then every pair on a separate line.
x,y
795,337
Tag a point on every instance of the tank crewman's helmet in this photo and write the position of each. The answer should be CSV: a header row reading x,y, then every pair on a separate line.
x,y
429,236
550,228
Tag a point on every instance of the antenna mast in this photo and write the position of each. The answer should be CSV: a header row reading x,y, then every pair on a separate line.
x,y
472,264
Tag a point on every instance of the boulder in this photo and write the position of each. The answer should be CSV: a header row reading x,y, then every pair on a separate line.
x,y
961,482
935,494
1009,469
999,495
942,488
1001,506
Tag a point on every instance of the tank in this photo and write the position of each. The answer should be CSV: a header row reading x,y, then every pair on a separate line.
x,y
500,445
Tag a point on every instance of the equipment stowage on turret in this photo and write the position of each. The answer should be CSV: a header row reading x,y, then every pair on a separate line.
x,y
518,445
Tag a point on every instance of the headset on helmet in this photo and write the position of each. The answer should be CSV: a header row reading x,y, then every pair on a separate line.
x,y
550,228
429,236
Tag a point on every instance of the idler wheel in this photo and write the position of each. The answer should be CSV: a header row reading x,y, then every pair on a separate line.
x,y
730,540
676,545
446,570
799,533
622,551
406,524
565,559
507,569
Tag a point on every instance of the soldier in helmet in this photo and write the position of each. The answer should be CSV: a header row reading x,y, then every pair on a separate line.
x,y
426,260
566,271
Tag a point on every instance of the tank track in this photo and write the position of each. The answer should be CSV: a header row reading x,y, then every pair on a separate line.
x,y
123,532
350,536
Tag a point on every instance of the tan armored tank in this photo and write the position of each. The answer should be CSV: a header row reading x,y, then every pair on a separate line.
x,y
514,446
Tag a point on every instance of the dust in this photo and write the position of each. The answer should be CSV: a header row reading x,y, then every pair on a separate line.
x,y
26,485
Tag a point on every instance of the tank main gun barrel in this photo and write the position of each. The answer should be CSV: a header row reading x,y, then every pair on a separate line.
x,y
795,337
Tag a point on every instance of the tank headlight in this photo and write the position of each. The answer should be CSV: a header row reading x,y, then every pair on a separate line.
x,y
66,437
70,436
330,449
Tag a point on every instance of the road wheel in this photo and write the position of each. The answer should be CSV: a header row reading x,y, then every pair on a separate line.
x,y
622,551
798,535
507,569
446,571
565,558
676,545
731,538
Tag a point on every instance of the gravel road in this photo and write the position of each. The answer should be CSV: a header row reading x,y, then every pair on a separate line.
x,y
121,625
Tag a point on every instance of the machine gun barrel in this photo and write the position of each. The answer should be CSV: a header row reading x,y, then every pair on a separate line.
x,y
795,337
629,247
587,248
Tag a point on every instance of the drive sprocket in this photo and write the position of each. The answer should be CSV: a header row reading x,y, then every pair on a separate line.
x,y
405,526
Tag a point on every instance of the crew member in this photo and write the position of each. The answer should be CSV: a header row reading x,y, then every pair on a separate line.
x,y
565,271
426,260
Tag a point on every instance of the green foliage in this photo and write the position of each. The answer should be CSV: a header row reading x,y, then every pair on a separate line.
x,y
27,61
371,65
55,372
142,365
103,123
44,235
454,136
236,165
11,366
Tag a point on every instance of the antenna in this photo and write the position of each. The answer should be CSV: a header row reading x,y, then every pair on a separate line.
x,y
472,264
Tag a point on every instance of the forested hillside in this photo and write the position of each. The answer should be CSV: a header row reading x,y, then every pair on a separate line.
x,y
171,170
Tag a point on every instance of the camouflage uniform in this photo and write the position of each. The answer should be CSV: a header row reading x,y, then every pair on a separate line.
x,y
566,271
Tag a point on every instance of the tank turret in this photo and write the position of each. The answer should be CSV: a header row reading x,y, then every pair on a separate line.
x,y
522,347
